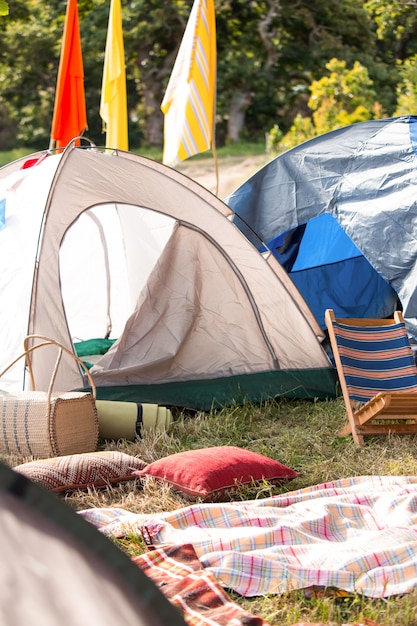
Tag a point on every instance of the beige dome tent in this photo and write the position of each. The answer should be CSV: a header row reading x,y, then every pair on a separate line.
x,y
114,246
59,569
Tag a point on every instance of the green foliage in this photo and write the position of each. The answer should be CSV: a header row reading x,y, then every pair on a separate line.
x,y
28,73
13,155
301,130
407,89
274,139
342,97
4,8
396,27
270,53
349,88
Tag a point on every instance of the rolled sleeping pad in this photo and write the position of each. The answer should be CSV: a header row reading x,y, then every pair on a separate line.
x,y
127,420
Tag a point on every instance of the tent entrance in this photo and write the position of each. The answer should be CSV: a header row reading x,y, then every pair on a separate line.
x,y
104,266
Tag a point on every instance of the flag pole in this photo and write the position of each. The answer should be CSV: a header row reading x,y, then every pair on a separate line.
x,y
213,124
216,161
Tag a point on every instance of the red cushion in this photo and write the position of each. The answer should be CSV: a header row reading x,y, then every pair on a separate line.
x,y
215,472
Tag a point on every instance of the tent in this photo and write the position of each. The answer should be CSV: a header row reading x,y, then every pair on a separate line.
x,y
340,213
115,247
59,569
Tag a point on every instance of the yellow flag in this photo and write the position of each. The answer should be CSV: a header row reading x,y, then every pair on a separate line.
x,y
190,99
113,105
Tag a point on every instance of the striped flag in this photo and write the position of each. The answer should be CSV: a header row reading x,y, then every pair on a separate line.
x,y
113,104
190,99
69,118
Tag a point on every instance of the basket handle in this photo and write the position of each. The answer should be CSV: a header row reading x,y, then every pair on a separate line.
x,y
46,341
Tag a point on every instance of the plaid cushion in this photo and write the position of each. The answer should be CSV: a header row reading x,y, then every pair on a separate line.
x,y
81,471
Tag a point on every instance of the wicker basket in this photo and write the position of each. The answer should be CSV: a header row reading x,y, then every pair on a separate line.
x,y
44,424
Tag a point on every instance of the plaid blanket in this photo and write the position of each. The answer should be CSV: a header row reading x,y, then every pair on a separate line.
x,y
193,589
356,534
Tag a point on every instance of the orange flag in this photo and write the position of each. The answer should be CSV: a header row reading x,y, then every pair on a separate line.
x,y
70,118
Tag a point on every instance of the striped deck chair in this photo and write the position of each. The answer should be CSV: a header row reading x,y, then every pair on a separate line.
x,y
377,375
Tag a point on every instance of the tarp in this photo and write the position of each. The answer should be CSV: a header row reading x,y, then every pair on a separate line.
x,y
340,212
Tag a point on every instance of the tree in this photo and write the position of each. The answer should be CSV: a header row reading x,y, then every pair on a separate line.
x,y
249,43
27,72
269,53
29,56
342,97
345,96
396,27
314,33
407,88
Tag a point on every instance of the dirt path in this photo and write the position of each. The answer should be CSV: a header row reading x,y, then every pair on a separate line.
x,y
233,171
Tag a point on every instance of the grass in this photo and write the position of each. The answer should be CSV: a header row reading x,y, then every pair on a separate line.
x,y
13,155
301,434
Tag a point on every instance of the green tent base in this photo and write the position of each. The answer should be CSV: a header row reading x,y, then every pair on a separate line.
x,y
204,395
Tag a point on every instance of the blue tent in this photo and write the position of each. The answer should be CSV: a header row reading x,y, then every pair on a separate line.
x,y
340,213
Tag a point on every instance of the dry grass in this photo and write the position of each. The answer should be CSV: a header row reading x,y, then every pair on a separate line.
x,y
300,434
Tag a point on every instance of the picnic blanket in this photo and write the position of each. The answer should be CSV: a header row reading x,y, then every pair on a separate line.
x,y
179,574
356,534
177,571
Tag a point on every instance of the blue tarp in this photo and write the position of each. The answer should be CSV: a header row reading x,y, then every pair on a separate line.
x,y
340,213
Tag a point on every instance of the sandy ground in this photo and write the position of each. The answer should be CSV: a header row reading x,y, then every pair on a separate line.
x,y
232,172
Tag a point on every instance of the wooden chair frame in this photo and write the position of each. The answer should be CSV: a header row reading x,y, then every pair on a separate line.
x,y
386,412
